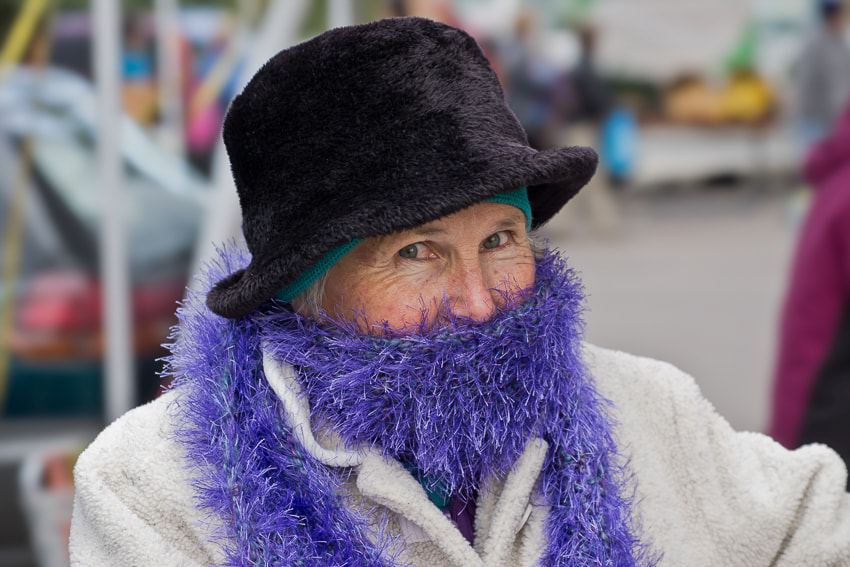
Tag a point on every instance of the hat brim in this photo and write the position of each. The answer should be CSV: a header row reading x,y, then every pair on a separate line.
x,y
573,169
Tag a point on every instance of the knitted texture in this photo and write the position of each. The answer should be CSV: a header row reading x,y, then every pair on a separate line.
x,y
518,199
368,130
276,504
297,287
460,401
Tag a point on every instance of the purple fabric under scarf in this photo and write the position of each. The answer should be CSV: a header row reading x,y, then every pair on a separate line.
x,y
462,514
460,401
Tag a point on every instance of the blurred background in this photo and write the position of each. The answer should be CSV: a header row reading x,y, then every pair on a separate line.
x,y
114,187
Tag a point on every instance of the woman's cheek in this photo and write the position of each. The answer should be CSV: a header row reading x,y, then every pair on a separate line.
x,y
513,272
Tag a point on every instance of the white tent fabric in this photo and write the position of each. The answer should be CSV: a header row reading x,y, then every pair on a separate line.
x,y
660,39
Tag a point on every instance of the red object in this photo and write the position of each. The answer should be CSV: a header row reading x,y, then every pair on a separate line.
x,y
60,301
59,316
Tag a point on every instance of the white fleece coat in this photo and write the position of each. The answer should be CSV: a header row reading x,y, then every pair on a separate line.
x,y
705,494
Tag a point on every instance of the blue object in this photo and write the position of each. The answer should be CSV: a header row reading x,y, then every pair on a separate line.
x,y
136,66
619,143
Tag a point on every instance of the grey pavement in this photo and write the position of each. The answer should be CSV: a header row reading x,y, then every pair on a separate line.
x,y
695,277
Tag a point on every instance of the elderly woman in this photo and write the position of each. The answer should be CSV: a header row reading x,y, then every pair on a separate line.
x,y
395,374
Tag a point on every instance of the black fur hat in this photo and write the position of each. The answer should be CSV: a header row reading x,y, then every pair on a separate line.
x,y
368,130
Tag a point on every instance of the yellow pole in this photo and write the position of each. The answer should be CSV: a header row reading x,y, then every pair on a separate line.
x,y
13,49
12,244
22,31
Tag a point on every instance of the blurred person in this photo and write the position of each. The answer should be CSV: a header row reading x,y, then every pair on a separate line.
x,y
213,81
395,8
394,372
139,89
536,91
590,106
822,76
592,99
811,387
438,10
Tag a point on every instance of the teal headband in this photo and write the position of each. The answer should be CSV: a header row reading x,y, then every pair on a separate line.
x,y
518,199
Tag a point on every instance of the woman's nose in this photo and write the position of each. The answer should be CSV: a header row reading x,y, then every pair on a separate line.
x,y
471,295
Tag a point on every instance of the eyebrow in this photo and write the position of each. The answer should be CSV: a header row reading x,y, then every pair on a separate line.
x,y
511,221
506,222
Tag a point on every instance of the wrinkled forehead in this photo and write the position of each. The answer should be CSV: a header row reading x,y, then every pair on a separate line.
x,y
480,219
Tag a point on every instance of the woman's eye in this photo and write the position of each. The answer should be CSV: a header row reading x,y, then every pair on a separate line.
x,y
495,240
410,251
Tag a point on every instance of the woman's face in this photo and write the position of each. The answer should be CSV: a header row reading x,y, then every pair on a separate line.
x,y
471,258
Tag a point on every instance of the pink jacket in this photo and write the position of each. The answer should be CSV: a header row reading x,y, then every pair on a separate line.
x,y
811,391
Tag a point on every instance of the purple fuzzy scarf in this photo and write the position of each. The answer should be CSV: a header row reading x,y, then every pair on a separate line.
x,y
460,403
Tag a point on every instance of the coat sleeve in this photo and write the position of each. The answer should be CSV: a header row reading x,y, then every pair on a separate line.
x,y
133,504
708,495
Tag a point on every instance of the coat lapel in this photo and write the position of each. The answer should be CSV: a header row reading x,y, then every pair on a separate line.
x,y
499,517
512,507
387,483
